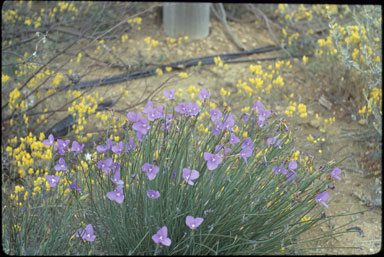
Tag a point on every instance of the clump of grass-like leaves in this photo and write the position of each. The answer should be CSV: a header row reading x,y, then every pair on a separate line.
x,y
185,179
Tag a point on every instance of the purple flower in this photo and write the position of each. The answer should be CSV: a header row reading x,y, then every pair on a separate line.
x,y
52,180
190,175
87,233
151,170
320,198
134,117
204,93
245,117
153,194
335,173
226,151
148,107
116,178
105,165
161,237
74,186
272,140
229,122
61,146
292,165
61,165
192,109
279,168
218,127
263,115
173,175
215,114
106,147
118,148
193,223
257,105
181,108
50,141
291,176
167,124
116,195
234,139
130,146
213,160
218,148
245,153
152,112
247,143
169,94
141,126
76,147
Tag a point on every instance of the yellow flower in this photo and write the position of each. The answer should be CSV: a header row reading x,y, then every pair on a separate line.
x,y
305,59
183,75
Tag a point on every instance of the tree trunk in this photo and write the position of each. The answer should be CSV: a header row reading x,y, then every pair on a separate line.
x,y
186,19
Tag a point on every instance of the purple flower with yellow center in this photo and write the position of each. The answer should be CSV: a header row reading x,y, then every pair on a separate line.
x,y
245,153
192,222
190,175
105,165
134,117
151,170
213,160
229,122
192,109
118,148
76,147
181,108
247,143
116,178
52,180
321,198
87,233
234,139
215,114
335,173
204,93
49,141
106,147
153,194
161,237
61,165
141,126
74,186
169,94
116,195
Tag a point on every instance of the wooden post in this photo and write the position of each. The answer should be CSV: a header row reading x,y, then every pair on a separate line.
x,y
186,19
